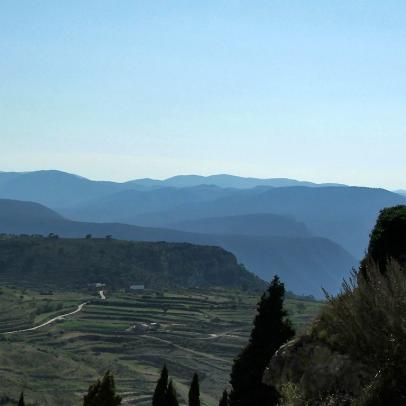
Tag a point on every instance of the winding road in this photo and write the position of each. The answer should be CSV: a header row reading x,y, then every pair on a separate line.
x,y
60,317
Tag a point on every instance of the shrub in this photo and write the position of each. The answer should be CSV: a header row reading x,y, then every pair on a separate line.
x,y
368,321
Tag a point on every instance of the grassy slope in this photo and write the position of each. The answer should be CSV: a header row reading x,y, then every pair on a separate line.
x,y
198,331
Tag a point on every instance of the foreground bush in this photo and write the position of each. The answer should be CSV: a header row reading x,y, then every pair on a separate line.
x,y
368,322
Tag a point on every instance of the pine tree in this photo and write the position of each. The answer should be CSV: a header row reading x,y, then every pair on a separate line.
x,y
194,392
224,399
102,393
161,389
171,396
21,401
271,330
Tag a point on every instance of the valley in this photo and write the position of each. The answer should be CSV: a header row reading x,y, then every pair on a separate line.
x,y
202,203
131,334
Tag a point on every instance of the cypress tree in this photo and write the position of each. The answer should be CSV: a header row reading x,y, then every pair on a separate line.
x,y
194,392
161,389
21,401
102,393
271,330
171,397
224,399
90,398
107,391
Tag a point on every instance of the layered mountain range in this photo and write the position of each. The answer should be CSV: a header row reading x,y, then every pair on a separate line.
x,y
310,234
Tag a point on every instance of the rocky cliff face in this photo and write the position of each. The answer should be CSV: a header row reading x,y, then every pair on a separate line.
x,y
308,371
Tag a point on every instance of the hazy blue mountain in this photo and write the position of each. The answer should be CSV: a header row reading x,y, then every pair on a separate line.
x,y
54,188
8,176
125,204
401,192
225,181
343,214
146,183
305,264
19,214
59,189
262,224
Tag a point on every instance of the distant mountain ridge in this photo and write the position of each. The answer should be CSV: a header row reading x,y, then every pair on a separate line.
x,y
59,189
7,176
345,215
305,264
227,181
262,224
123,205
272,225
53,188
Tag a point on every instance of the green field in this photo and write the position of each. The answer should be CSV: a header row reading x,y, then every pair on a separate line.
x,y
131,334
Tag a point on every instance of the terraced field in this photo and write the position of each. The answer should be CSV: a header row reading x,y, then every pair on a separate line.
x,y
131,334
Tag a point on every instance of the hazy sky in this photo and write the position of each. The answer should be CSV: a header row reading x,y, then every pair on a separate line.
x,y
120,89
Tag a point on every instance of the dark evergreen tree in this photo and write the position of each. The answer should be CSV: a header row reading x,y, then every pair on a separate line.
x,y
102,393
171,396
224,399
91,398
271,330
21,401
161,389
194,392
108,391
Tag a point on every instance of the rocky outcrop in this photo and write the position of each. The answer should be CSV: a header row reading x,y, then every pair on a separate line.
x,y
359,327
317,372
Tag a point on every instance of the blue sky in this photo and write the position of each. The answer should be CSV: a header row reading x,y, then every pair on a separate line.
x,y
125,89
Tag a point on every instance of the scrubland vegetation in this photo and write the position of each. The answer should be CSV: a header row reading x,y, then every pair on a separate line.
x,y
364,327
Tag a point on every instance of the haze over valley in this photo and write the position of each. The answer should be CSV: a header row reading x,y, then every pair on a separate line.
x,y
309,234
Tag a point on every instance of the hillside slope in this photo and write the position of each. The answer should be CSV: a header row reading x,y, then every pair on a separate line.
x,y
77,262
